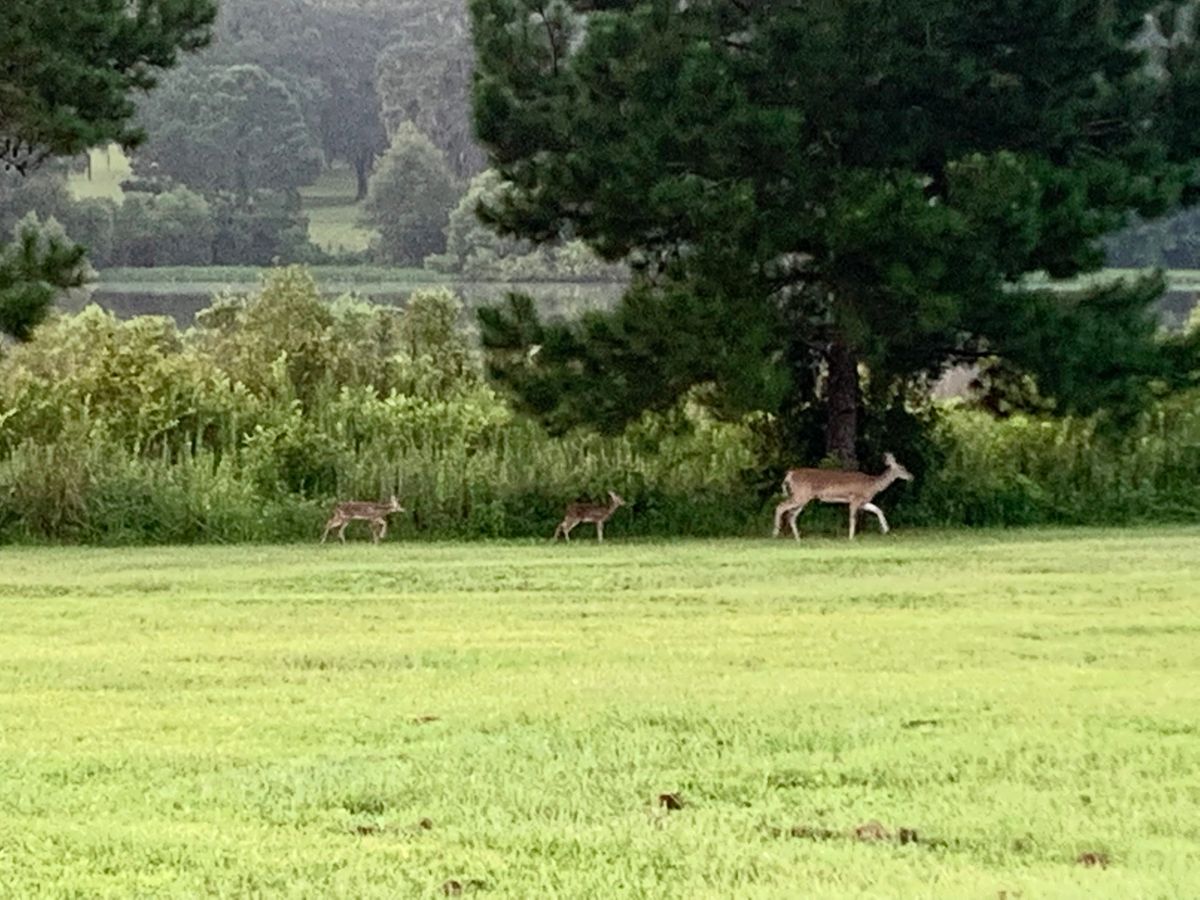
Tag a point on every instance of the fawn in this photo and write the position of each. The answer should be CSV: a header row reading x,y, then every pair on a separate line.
x,y
588,512
836,486
375,513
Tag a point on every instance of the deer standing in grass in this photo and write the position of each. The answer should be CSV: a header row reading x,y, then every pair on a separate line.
x,y
837,486
588,512
375,513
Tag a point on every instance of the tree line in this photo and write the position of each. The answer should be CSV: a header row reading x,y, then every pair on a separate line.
x,y
279,93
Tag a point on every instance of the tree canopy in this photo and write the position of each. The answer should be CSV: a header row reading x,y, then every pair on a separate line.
x,y
326,56
831,199
69,69
228,128
424,77
67,79
410,199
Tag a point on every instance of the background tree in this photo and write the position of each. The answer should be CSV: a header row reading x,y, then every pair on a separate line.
x,y
477,251
66,83
424,77
234,128
43,191
830,199
172,228
410,198
262,230
326,56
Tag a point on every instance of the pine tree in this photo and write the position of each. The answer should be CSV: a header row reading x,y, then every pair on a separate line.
x,y
70,69
66,84
830,199
35,267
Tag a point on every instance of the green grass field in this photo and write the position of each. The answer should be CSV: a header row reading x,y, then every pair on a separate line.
x,y
279,721
110,167
333,214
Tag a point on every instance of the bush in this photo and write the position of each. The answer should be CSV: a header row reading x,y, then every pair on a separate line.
x,y
163,223
265,228
1023,470
475,251
172,228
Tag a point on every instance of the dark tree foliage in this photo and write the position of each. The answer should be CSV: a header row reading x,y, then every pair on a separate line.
x,y
35,268
68,73
68,70
831,200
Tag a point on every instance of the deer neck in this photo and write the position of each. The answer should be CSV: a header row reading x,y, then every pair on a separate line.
x,y
882,482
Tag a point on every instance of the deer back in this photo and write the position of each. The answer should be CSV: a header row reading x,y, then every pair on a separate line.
x,y
589,512
831,485
357,509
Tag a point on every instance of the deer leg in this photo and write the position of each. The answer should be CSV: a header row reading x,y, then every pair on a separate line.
x,y
342,531
328,528
792,520
781,512
567,530
599,531
872,508
853,518
381,530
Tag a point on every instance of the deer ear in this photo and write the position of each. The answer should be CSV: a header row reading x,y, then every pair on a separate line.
x,y
889,459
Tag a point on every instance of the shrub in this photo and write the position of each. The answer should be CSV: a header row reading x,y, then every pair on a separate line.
x,y
475,251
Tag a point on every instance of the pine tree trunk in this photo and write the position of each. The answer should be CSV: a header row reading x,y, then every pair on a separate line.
x,y
841,433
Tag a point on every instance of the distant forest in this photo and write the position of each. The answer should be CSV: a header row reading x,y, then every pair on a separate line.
x,y
310,131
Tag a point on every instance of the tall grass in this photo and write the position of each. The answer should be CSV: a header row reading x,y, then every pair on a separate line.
x,y
248,426
1023,470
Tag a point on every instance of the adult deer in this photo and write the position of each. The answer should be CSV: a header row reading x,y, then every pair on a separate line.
x,y
375,513
837,486
588,512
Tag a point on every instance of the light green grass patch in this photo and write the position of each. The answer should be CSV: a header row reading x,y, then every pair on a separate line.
x,y
110,167
333,214
277,721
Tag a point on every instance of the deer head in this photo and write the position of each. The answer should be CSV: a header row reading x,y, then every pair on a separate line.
x,y
895,468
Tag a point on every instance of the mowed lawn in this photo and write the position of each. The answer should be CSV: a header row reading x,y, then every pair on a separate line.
x,y
501,719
